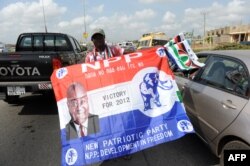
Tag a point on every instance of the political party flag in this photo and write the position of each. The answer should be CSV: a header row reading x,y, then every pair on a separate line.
x,y
176,39
181,54
118,106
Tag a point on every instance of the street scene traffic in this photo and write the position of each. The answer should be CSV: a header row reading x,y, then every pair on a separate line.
x,y
90,83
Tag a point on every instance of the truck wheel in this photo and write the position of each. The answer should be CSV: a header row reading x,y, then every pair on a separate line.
x,y
239,145
12,99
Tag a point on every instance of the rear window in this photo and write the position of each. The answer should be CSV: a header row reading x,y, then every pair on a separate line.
x,y
49,41
41,42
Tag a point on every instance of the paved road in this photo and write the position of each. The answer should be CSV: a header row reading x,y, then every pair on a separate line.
x,y
30,136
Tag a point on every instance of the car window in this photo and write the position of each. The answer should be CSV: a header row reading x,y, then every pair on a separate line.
x,y
227,74
49,40
26,41
202,59
38,42
25,44
78,47
61,43
156,42
73,43
144,43
237,79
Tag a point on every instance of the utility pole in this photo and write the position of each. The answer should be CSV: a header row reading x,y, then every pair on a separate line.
x,y
85,34
44,20
204,27
84,15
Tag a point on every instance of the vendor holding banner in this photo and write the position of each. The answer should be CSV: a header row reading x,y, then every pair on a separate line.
x,y
134,97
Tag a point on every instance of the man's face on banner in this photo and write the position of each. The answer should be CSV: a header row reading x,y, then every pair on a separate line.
x,y
78,103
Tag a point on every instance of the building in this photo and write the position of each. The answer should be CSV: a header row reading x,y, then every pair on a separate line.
x,y
228,34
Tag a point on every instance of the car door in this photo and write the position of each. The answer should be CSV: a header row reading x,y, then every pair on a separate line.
x,y
212,99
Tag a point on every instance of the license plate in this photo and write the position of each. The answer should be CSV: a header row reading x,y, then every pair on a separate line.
x,y
15,90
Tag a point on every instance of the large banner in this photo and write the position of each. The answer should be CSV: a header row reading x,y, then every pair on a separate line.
x,y
118,106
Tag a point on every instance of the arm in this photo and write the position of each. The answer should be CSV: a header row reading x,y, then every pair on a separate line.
x,y
117,51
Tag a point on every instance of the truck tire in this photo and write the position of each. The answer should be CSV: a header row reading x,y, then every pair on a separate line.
x,y
236,144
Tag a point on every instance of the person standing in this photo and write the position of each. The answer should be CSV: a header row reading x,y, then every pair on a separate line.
x,y
101,50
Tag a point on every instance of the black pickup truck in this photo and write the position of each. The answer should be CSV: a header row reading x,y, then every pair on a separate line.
x,y
36,55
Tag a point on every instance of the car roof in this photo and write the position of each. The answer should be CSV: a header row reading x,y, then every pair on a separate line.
x,y
243,55
44,33
233,53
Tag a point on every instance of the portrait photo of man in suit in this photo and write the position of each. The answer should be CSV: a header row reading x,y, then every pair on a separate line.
x,y
82,123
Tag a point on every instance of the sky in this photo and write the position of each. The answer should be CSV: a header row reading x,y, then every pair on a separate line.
x,y
121,20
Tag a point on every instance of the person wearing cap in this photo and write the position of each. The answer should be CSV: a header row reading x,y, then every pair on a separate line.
x,y
101,49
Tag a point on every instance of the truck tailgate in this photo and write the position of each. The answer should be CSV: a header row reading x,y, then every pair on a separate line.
x,y
26,66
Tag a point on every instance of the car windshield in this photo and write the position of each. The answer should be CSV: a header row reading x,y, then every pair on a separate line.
x,y
157,42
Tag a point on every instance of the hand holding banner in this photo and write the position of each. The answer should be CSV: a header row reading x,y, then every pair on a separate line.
x,y
131,103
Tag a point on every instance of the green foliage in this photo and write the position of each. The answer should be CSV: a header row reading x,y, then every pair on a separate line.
x,y
196,50
231,46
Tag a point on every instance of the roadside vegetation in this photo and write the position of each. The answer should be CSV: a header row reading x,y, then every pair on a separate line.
x,y
223,46
231,46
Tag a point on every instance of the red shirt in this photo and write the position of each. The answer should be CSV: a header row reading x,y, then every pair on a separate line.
x,y
110,51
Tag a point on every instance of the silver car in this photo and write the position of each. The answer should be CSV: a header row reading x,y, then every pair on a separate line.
x,y
216,98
